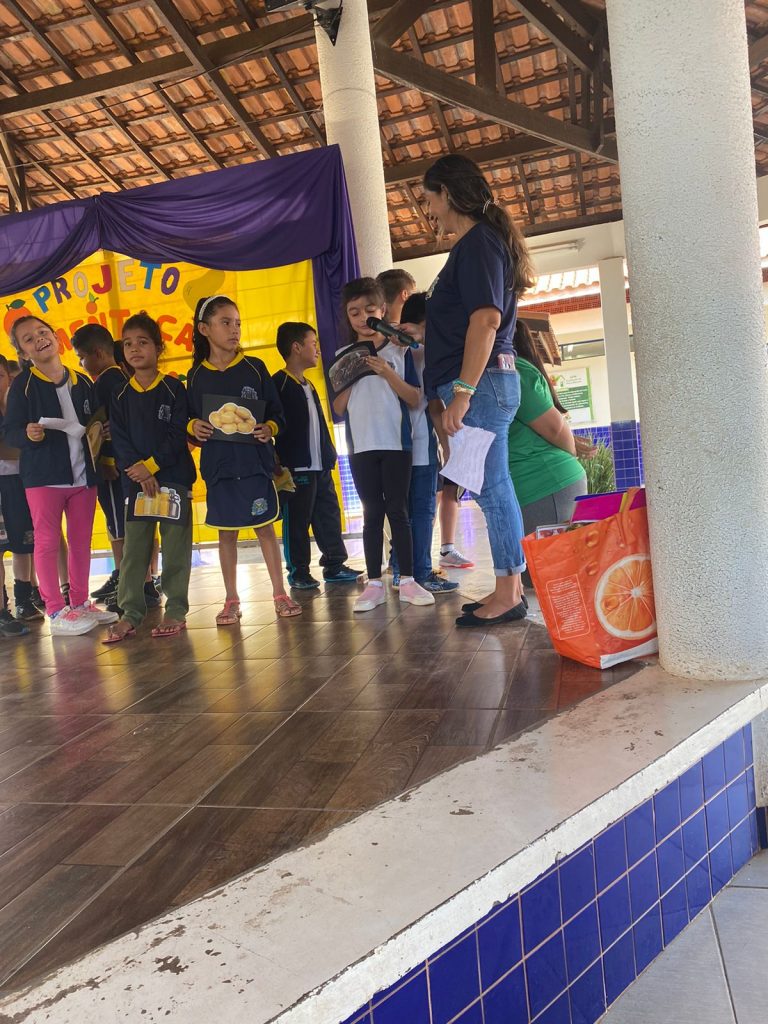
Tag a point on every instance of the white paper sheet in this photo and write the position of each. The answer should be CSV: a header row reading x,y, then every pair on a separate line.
x,y
466,462
57,423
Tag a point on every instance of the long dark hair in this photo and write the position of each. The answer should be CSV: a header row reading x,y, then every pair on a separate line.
x,y
469,193
360,288
201,347
526,348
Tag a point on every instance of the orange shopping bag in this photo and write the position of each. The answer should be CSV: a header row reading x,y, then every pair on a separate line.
x,y
595,588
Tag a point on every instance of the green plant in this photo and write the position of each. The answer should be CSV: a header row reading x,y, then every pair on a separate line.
x,y
600,472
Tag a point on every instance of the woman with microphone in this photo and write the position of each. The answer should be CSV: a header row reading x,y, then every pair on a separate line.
x,y
470,358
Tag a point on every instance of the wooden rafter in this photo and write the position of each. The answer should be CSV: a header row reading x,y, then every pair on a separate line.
x,y
571,43
398,19
14,176
576,13
484,40
415,170
451,89
758,51
203,63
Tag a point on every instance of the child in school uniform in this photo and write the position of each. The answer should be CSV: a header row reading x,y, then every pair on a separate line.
x,y
379,438
57,470
306,449
238,475
148,419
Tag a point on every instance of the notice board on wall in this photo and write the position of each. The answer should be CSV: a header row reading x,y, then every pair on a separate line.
x,y
575,392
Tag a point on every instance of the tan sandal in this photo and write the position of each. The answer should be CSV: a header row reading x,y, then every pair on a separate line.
x,y
168,629
286,607
230,613
116,635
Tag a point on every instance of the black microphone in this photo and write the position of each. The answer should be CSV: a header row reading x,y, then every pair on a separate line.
x,y
382,327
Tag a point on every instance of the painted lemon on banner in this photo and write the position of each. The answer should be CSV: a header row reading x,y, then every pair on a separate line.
x,y
624,599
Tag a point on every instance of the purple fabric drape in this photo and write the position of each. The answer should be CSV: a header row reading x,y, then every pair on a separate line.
x,y
265,214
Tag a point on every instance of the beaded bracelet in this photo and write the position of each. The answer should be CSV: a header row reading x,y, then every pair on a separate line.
x,y
462,386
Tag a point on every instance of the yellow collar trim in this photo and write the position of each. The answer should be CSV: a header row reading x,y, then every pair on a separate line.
x,y
301,382
42,376
137,387
238,358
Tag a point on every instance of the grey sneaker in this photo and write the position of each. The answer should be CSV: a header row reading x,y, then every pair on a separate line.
x,y
455,560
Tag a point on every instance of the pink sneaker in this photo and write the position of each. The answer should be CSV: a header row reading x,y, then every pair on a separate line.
x,y
370,598
414,593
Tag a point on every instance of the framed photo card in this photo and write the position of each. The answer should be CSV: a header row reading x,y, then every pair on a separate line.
x,y
350,366
233,419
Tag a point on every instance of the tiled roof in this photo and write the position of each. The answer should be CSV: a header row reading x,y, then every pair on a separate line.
x,y
174,117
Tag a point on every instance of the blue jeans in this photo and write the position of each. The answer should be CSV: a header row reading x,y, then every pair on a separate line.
x,y
422,501
493,407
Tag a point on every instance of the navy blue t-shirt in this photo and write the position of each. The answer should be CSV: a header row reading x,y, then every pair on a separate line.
x,y
474,277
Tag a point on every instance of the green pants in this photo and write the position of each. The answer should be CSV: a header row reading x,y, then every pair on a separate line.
x,y
176,543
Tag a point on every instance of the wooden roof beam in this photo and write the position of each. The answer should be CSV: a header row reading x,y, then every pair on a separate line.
x,y
451,89
415,170
576,13
758,51
191,46
398,19
18,197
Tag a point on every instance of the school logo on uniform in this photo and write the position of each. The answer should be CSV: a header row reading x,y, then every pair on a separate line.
x,y
251,393
259,507
164,413
87,407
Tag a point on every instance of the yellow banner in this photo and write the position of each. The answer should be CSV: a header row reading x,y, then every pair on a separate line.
x,y
107,288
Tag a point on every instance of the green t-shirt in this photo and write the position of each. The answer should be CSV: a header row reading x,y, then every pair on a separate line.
x,y
537,467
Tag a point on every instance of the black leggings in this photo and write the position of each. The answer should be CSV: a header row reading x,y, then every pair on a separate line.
x,y
382,480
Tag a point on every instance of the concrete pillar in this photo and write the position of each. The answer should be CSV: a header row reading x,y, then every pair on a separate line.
x,y
625,435
352,120
684,125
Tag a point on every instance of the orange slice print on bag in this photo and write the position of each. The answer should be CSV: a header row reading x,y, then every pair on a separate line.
x,y
624,599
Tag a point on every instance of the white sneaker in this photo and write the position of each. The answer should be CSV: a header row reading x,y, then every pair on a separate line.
x,y
414,593
71,622
370,598
455,560
99,615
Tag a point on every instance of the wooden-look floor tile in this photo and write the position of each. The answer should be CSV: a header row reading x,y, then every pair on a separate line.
x,y
23,820
189,783
127,836
37,913
535,682
512,721
465,728
436,760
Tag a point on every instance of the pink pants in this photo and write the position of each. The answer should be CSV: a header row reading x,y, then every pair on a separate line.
x,y
47,504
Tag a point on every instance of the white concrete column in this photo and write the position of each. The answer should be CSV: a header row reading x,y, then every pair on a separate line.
x,y
352,121
684,124
613,301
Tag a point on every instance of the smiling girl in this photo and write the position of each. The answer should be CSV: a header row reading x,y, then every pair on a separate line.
x,y
238,476
57,470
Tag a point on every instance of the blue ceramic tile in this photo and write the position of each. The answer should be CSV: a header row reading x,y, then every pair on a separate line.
x,y
557,1013
721,868
610,855
698,888
691,791
454,981
640,834
670,860
741,845
409,1003
643,886
751,792
387,992
359,1017
577,882
619,968
588,997
541,911
615,916
500,944
694,839
746,732
666,805
545,971
474,1015
733,751
674,912
714,772
647,937
738,807
506,1002
582,941
716,813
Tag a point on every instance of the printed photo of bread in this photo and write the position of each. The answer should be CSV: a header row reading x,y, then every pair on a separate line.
x,y
232,419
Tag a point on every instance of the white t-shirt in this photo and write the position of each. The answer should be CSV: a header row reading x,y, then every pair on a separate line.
x,y
315,458
76,453
421,424
377,421
9,467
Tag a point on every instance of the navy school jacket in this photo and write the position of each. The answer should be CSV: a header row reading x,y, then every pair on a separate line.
x,y
293,443
32,395
150,426
245,377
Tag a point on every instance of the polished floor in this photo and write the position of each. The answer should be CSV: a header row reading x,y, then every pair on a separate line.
x,y
135,778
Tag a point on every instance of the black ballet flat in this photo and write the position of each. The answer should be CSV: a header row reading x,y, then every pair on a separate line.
x,y
474,605
471,621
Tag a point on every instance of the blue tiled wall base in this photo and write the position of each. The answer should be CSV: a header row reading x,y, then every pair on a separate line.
x,y
567,946
627,454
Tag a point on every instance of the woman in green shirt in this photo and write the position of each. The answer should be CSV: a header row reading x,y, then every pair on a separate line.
x,y
542,450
